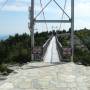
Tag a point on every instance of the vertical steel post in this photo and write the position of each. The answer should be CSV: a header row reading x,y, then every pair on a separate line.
x,y
32,28
72,29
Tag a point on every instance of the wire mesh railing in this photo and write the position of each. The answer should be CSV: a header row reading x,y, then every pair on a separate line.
x,y
46,45
59,49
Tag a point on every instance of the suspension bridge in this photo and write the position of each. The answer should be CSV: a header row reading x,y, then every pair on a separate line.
x,y
33,20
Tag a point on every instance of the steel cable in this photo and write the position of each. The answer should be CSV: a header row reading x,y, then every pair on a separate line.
x,y
43,14
43,9
63,14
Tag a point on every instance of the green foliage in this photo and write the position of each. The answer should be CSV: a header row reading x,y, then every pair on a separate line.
x,y
82,56
40,38
3,52
19,55
64,40
4,70
84,35
17,49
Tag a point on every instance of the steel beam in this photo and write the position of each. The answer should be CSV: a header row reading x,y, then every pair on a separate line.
x,y
53,21
72,29
32,28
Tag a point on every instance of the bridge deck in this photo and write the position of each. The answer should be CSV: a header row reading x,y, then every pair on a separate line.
x,y
52,53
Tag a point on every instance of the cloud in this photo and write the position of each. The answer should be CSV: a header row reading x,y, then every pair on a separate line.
x,y
82,8
1,1
82,14
17,5
15,8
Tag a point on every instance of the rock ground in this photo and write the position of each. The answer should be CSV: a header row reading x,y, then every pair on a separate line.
x,y
45,76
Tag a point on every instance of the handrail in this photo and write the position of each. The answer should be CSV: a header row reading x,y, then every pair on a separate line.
x,y
59,49
46,42
46,45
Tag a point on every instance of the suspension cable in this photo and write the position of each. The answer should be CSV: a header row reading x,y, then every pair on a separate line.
x,y
43,14
63,14
3,5
43,9
61,9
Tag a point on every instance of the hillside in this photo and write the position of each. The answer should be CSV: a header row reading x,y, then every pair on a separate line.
x,y
84,35
17,49
81,45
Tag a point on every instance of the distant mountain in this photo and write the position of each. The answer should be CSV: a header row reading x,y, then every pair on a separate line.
x,y
3,37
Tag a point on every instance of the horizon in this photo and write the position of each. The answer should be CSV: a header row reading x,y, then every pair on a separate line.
x,y
7,35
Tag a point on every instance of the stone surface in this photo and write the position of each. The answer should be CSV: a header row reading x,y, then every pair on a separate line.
x,y
45,76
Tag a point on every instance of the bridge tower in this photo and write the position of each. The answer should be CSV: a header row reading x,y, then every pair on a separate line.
x,y
34,20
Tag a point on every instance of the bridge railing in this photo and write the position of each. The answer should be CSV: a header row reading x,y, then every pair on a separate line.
x,y
44,48
37,51
40,51
59,49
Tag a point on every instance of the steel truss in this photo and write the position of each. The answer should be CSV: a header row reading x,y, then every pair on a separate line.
x,y
34,20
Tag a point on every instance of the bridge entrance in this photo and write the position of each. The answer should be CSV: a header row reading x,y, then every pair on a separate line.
x,y
34,20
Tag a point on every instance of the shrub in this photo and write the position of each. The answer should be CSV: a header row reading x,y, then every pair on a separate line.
x,y
4,70
82,56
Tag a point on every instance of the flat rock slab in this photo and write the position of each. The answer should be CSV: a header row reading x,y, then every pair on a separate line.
x,y
45,76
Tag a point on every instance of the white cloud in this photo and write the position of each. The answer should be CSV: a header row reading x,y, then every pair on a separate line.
x,y
82,14
18,5
15,8
82,8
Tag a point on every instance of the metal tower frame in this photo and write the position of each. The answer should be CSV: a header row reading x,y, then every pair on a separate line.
x,y
33,20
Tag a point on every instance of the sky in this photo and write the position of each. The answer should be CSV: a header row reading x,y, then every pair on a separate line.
x,y
14,15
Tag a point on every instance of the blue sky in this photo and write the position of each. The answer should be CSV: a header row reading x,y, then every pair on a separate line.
x,y
14,16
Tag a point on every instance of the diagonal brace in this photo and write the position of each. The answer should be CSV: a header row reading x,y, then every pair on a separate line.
x,y
61,9
43,9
